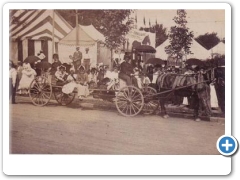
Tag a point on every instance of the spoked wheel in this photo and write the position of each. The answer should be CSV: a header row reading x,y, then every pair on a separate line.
x,y
40,91
151,103
129,101
62,98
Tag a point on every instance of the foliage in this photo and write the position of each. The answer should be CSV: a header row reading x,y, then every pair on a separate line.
x,y
161,33
113,24
180,38
208,40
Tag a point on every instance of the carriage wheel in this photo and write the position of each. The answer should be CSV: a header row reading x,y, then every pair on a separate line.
x,y
129,101
40,91
62,98
151,103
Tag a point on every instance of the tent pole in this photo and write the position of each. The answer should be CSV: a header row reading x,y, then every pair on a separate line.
x,y
53,22
76,28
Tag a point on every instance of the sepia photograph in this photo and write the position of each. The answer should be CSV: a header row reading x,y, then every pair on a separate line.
x,y
116,81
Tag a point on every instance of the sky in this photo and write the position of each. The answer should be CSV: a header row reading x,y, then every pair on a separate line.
x,y
199,21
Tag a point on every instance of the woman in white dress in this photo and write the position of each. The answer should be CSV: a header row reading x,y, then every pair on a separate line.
x,y
71,82
82,80
28,74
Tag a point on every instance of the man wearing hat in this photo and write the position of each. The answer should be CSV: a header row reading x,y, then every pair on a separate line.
x,y
87,60
77,58
126,72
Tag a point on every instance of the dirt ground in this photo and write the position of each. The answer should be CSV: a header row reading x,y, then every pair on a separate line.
x,y
55,129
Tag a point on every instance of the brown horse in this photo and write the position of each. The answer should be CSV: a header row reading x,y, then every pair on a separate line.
x,y
193,86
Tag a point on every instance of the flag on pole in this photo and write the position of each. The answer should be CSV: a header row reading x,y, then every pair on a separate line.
x,y
144,22
149,23
136,18
156,21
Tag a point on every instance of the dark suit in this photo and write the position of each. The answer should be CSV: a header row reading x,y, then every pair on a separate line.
x,y
125,74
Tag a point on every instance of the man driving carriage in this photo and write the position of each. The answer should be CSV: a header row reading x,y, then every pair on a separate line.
x,y
126,72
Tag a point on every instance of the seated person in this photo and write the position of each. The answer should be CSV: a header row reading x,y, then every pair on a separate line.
x,y
92,78
56,63
113,76
101,73
71,82
126,72
61,75
82,80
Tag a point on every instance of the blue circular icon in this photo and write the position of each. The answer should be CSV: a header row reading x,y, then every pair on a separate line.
x,y
227,145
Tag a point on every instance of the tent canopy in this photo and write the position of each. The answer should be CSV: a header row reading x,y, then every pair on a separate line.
x,y
219,49
197,50
36,24
87,36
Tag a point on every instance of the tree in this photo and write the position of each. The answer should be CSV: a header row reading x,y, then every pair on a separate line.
x,y
113,24
161,33
208,40
180,38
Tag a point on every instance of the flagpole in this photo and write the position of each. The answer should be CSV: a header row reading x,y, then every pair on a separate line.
x,y
53,23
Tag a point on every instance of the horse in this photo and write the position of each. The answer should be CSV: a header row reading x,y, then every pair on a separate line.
x,y
194,86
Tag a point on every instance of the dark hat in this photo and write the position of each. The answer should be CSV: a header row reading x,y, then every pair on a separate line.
x,y
126,57
87,49
77,47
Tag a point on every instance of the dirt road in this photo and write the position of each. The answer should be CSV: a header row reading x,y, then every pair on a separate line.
x,y
57,129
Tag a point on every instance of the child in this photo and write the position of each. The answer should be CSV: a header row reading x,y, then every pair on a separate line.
x,y
92,78
61,75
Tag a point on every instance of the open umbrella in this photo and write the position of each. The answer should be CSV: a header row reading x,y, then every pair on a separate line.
x,y
155,61
31,59
194,61
145,49
43,65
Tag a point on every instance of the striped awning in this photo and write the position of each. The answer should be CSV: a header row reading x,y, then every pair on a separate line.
x,y
38,24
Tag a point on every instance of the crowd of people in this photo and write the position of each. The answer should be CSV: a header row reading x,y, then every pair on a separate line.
x,y
79,73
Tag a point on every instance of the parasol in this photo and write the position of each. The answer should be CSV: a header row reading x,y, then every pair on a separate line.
x,y
155,61
43,65
31,59
145,49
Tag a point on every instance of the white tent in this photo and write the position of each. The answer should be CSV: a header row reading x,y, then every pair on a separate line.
x,y
88,37
218,49
160,50
197,50
32,30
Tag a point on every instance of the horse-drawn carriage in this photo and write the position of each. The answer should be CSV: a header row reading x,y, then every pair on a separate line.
x,y
129,100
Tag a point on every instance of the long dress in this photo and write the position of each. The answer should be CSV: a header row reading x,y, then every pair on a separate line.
x,y
213,94
27,77
82,79
69,87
